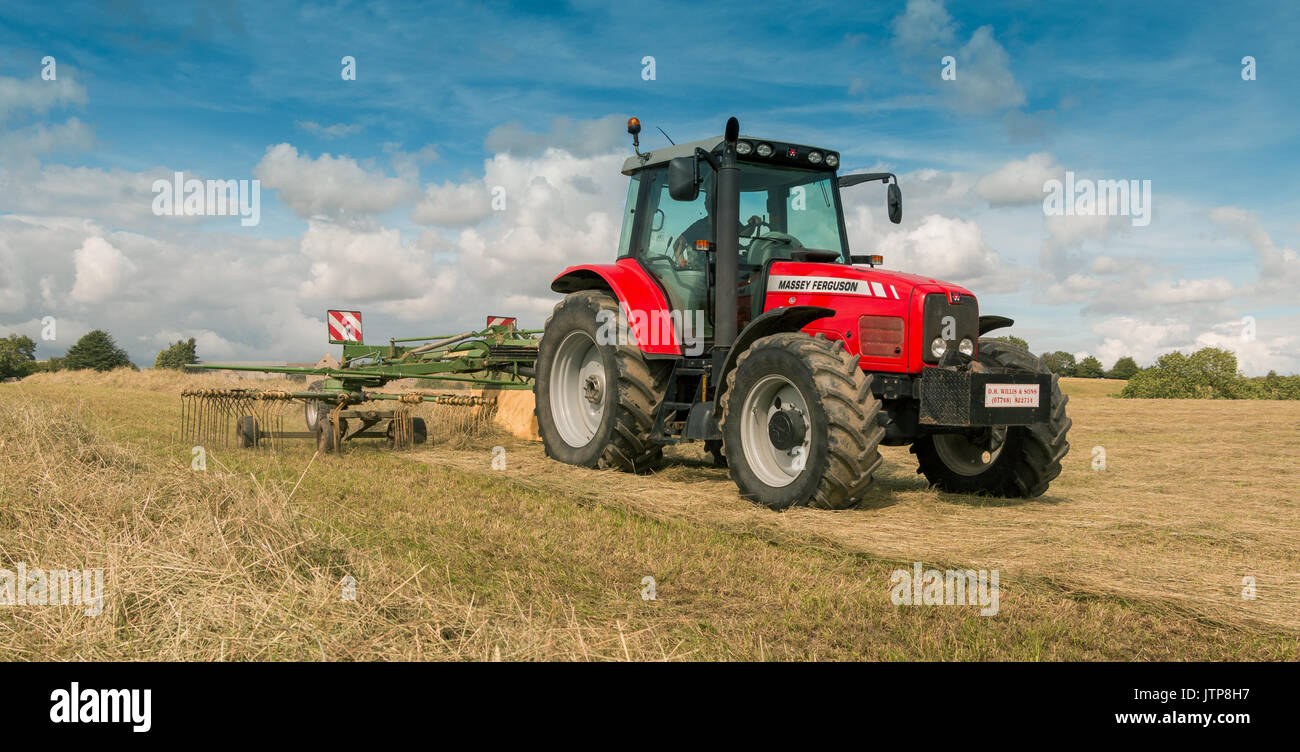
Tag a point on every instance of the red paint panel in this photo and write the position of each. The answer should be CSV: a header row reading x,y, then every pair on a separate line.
x,y
841,288
633,287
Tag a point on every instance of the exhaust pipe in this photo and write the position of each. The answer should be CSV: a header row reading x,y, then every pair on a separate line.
x,y
728,235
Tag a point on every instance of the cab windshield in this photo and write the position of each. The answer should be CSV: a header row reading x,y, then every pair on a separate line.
x,y
784,210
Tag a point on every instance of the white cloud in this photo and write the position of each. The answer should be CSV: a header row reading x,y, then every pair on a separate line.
x,y
984,79
984,82
329,185
26,143
1272,348
101,269
454,204
39,96
1019,181
360,263
1279,268
946,248
1189,291
581,138
923,23
338,130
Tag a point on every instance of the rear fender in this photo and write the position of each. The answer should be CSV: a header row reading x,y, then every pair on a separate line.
x,y
638,295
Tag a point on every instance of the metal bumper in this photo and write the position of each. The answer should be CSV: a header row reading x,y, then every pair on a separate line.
x,y
964,398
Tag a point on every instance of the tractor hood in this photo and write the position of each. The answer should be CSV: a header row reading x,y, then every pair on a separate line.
x,y
818,280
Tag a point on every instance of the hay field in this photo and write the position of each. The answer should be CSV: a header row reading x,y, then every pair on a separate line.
x,y
454,560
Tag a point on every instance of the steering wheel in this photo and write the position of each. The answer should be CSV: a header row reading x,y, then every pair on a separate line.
x,y
758,229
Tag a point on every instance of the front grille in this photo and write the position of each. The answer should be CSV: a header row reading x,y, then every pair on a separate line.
x,y
966,321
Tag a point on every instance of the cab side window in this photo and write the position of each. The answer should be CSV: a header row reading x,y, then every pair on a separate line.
x,y
629,214
666,239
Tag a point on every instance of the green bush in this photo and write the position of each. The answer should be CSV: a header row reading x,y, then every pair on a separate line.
x,y
1208,373
176,356
96,350
1014,342
1060,363
17,356
1124,368
1089,368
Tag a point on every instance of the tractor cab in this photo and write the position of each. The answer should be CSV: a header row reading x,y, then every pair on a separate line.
x,y
789,209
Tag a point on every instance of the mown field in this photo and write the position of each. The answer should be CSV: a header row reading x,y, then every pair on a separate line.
x,y
1141,560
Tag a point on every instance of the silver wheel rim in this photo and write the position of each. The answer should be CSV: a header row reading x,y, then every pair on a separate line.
x,y
773,466
313,413
578,389
965,457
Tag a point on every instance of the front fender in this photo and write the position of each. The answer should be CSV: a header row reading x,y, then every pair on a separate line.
x,y
637,293
787,319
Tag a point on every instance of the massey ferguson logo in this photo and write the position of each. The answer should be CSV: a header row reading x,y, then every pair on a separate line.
x,y
830,286
954,298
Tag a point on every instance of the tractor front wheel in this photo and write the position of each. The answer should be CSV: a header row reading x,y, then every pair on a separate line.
x,y
595,393
1008,461
800,423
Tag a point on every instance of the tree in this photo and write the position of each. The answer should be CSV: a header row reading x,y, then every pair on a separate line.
x,y
1124,368
96,350
1089,368
1060,363
178,355
17,356
1014,341
1208,373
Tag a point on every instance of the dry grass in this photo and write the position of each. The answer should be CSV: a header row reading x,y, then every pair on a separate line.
x,y
544,561
1195,496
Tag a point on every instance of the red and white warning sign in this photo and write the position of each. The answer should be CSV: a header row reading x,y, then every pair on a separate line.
x,y
500,321
345,326
1011,395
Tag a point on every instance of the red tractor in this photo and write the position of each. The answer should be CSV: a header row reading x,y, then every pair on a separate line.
x,y
791,358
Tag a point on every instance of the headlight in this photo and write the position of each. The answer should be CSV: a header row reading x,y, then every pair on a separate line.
x,y
966,347
938,347
832,160
764,150
744,147
815,157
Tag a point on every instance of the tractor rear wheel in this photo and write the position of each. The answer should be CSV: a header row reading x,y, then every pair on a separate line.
x,y
800,423
1008,461
596,395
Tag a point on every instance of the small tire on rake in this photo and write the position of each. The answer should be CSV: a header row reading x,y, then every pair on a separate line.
x,y
313,409
326,441
419,433
246,434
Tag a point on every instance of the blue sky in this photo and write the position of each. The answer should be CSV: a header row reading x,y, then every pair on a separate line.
x,y
453,99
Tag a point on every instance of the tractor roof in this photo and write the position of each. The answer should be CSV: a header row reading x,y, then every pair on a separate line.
x,y
661,156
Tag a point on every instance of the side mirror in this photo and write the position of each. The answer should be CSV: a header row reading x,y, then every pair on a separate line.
x,y
683,179
895,197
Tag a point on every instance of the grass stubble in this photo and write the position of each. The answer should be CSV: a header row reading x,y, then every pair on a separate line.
x,y
540,561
